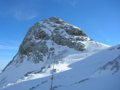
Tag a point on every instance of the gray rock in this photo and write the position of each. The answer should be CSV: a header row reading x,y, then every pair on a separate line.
x,y
35,47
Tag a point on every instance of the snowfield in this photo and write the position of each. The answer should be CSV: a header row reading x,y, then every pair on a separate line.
x,y
82,74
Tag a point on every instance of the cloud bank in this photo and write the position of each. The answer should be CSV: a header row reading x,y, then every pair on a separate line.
x,y
3,47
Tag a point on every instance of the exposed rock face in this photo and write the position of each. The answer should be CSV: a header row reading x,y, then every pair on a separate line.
x,y
113,66
51,31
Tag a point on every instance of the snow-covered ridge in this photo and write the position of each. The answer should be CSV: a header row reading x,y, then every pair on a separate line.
x,y
47,43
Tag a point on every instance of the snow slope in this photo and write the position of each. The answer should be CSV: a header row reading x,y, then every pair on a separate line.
x,y
94,72
27,70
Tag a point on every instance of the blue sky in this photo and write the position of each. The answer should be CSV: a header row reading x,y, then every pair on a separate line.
x,y
100,19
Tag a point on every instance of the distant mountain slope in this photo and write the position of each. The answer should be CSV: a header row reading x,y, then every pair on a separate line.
x,y
52,47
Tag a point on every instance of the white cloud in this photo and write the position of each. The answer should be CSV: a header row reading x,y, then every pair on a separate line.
x,y
74,3
3,47
20,10
70,2
24,14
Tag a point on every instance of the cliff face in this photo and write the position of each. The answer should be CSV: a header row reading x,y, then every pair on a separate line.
x,y
40,39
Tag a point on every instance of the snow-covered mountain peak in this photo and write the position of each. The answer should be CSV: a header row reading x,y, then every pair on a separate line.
x,y
53,20
44,35
49,41
56,25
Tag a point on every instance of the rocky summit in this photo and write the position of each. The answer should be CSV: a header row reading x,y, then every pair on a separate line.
x,y
42,37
